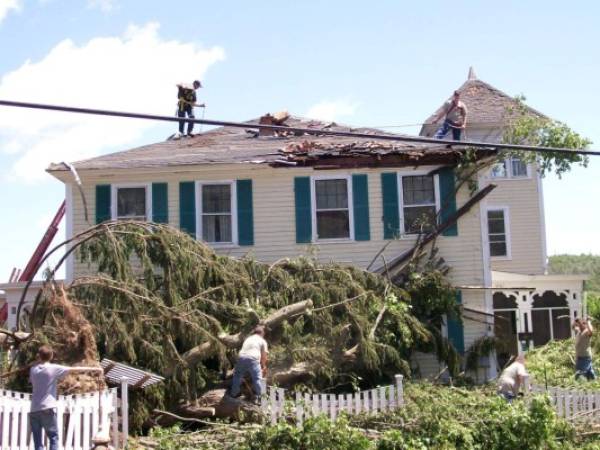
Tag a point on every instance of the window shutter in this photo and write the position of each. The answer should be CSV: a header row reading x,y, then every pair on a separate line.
x,y
103,212
303,211
160,203
360,201
245,214
187,207
447,199
391,213
456,333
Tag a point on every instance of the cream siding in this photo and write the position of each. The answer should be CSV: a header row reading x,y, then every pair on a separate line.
x,y
521,197
274,225
274,218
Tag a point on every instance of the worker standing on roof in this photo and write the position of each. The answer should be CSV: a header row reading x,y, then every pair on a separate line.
x,y
455,113
186,100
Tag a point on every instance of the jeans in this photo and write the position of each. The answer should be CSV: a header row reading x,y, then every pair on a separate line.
x,y
445,128
44,419
508,396
181,112
583,366
244,366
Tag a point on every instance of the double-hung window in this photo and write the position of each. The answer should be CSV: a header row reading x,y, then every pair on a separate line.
x,y
498,232
217,206
419,205
332,215
513,167
131,202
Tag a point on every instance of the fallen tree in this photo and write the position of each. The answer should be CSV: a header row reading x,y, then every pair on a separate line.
x,y
182,311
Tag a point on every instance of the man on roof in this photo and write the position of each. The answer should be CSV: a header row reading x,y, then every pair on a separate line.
x,y
455,118
186,100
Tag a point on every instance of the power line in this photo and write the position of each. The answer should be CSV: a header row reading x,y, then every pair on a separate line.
x,y
310,131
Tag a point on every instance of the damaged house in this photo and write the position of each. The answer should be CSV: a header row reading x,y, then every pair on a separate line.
x,y
283,194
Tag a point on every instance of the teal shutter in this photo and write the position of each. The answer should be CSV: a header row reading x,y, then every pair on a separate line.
x,y
103,203
160,203
391,213
456,332
187,207
360,201
245,214
448,199
303,211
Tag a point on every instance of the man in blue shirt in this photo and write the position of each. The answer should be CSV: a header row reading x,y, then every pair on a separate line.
x,y
44,377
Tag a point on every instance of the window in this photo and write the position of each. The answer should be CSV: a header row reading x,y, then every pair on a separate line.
x,y
216,211
512,167
498,232
518,168
131,202
332,208
418,203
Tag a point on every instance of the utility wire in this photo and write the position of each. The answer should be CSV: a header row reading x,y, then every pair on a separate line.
x,y
310,131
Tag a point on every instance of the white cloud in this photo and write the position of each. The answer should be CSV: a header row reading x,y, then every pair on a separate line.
x,y
135,72
332,109
105,6
7,5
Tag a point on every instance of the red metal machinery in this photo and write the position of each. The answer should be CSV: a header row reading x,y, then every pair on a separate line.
x,y
32,266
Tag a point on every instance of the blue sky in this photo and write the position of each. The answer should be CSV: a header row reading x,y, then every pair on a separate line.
x,y
372,64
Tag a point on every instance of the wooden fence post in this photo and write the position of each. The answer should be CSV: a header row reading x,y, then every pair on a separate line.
x,y
125,410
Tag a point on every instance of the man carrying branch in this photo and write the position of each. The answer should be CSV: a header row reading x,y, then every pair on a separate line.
x,y
583,351
253,361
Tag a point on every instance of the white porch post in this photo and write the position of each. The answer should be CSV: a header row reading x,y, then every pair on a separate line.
x,y
125,410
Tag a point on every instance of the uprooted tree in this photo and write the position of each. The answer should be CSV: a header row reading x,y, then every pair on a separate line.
x,y
163,301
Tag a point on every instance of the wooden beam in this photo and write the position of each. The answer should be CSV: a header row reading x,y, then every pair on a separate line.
x,y
394,263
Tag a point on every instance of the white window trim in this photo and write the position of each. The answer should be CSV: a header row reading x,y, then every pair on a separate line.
x,y
436,193
234,224
509,175
313,207
505,210
113,198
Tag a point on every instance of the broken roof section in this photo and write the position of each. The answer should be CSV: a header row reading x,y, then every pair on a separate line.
x,y
486,105
228,145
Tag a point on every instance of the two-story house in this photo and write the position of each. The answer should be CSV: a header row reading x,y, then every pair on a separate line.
x,y
344,199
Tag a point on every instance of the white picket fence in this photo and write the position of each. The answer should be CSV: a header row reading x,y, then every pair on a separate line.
x,y
303,406
572,403
80,418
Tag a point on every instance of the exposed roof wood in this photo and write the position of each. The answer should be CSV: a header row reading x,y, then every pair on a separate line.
x,y
228,145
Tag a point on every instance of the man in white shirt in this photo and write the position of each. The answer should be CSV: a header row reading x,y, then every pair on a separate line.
x,y
44,377
512,379
253,361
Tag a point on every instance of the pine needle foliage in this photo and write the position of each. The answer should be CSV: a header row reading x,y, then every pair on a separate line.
x,y
157,293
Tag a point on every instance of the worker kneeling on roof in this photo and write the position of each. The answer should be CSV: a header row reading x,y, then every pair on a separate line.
x,y
253,361
186,100
455,119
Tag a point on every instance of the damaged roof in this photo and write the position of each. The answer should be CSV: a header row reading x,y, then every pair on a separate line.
x,y
229,145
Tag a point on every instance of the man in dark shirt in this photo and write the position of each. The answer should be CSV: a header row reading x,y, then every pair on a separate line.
x,y
186,100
